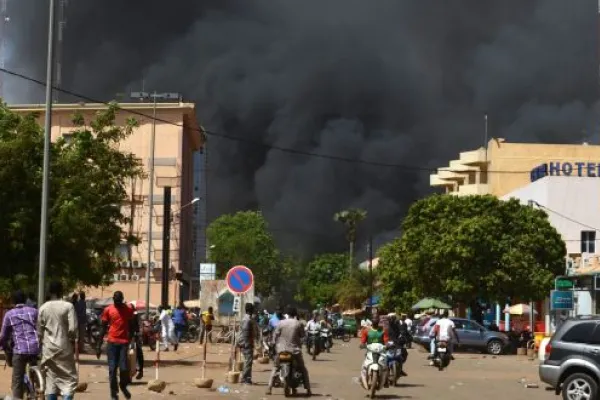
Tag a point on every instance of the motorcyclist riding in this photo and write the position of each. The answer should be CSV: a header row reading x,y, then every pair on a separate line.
x,y
288,338
373,333
398,333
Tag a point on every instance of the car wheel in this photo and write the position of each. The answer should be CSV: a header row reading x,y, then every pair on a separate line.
x,y
494,347
579,386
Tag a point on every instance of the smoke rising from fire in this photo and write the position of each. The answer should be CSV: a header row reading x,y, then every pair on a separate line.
x,y
401,82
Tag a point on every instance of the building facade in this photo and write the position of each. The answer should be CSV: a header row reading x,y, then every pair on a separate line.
x,y
503,167
573,208
178,138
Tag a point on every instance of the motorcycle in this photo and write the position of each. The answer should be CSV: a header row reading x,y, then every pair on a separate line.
x,y
326,339
374,368
313,344
267,346
395,360
441,358
341,333
290,377
150,334
92,329
191,333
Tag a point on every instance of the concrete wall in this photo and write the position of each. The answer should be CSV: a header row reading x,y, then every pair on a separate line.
x,y
575,202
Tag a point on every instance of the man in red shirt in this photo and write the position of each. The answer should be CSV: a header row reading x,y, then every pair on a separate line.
x,y
117,319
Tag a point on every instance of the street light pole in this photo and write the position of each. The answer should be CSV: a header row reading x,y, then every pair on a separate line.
x,y
151,205
370,251
46,167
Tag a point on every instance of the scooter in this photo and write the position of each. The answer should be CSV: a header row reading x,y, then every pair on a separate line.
x,y
326,339
374,368
395,359
441,358
289,375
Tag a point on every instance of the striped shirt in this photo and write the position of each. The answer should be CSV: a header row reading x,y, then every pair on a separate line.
x,y
20,323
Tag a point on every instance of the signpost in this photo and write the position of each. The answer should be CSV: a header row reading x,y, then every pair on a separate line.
x,y
561,300
562,283
239,281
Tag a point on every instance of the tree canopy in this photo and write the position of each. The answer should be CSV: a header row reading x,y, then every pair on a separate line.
x,y
323,274
468,248
243,239
87,188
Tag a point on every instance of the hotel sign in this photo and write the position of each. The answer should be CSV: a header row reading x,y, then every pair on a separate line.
x,y
556,168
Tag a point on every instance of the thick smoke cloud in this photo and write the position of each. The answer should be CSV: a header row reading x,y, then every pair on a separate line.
x,y
401,82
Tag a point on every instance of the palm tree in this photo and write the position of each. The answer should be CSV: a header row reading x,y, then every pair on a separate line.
x,y
350,218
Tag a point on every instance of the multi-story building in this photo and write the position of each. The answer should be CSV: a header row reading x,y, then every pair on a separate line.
x,y
178,138
503,167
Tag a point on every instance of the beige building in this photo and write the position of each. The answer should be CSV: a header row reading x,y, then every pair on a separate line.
x,y
178,136
504,167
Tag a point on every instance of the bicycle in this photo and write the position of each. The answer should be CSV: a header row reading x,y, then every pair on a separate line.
x,y
226,334
34,383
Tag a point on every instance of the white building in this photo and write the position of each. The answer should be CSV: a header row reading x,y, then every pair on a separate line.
x,y
573,208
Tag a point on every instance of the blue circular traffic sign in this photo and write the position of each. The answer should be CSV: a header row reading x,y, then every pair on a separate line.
x,y
239,279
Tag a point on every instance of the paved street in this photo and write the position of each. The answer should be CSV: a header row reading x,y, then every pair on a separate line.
x,y
471,376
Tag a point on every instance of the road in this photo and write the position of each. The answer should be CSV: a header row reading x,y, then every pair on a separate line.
x,y
469,377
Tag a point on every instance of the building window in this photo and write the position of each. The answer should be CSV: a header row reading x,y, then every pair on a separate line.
x,y
588,241
68,137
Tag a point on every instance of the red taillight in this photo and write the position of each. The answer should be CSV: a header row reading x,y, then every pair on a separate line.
x,y
547,351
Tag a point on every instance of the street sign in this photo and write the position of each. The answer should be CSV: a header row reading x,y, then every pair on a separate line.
x,y
561,300
239,279
561,283
236,304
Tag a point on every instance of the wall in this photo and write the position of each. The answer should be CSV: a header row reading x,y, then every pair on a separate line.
x,y
575,202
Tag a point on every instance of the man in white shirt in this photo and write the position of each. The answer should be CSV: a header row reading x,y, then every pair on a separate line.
x,y
444,330
365,322
313,324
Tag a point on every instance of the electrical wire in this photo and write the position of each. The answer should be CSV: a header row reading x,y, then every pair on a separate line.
x,y
250,141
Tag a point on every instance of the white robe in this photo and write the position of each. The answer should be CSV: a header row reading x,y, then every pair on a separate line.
x,y
57,328
167,328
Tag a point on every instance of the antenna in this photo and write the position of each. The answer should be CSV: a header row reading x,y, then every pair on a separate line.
x,y
4,20
62,22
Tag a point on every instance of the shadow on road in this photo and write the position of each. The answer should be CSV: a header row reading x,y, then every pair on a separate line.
x,y
409,385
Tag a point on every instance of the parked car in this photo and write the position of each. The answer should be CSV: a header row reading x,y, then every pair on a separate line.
x,y
572,359
471,335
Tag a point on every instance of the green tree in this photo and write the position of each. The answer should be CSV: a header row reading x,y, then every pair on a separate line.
x,y
397,290
87,188
243,239
323,274
350,218
474,247
354,289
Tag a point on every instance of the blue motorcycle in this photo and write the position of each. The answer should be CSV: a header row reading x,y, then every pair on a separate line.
x,y
395,360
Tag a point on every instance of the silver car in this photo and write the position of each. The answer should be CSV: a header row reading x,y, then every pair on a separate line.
x,y
470,334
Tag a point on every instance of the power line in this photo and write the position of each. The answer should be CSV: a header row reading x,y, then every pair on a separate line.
x,y
254,142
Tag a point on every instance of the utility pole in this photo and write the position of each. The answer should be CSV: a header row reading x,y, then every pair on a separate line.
x,y
4,19
370,254
46,168
166,264
62,22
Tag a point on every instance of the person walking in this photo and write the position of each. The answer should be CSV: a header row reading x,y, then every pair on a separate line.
x,y
57,332
180,321
20,326
207,319
248,336
81,311
117,319
167,327
137,337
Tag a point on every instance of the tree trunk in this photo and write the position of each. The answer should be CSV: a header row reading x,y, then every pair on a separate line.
x,y
351,255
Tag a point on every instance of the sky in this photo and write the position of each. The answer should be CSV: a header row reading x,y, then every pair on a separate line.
x,y
399,82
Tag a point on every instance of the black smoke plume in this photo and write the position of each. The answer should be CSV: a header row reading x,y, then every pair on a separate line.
x,y
401,82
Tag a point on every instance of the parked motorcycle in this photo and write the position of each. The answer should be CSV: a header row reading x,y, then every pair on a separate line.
x,y
150,334
441,358
92,329
341,333
326,339
191,333
374,368
289,375
313,344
